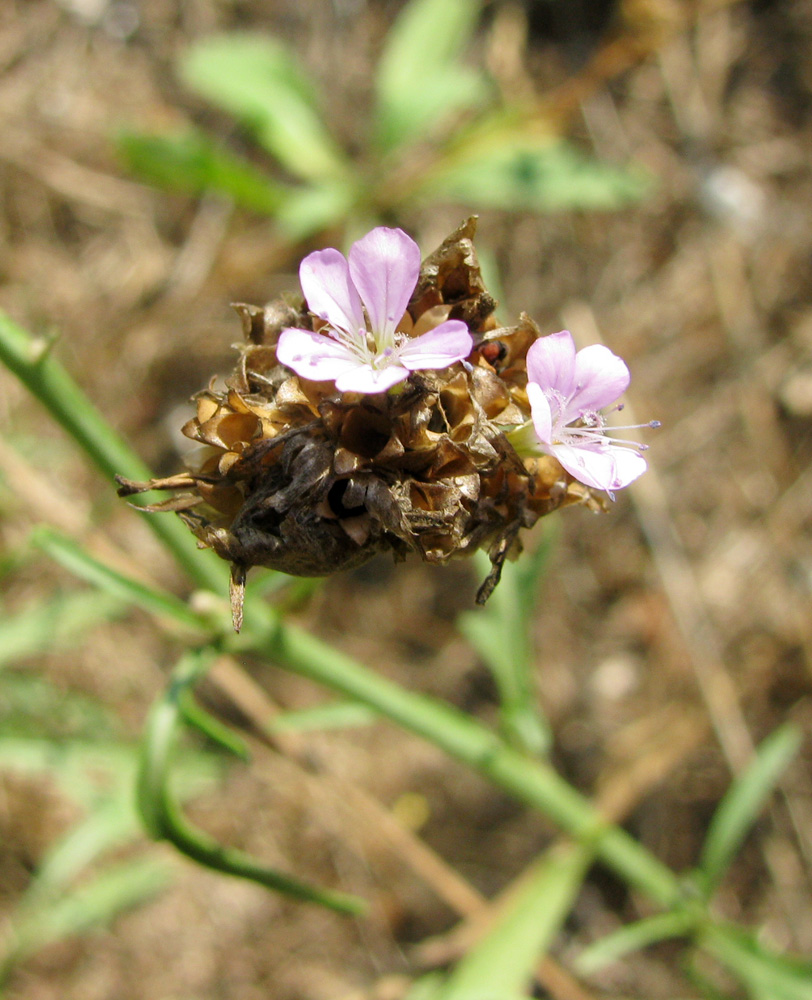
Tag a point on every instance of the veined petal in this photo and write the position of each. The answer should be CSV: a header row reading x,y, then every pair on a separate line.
x,y
364,378
325,279
608,468
600,377
384,266
628,466
551,362
592,467
314,356
541,413
438,348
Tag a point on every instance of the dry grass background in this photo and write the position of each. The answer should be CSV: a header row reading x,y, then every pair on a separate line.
x,y
673,633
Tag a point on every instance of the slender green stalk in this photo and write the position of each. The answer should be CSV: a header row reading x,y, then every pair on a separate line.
x,y
32,362
533,782
165,820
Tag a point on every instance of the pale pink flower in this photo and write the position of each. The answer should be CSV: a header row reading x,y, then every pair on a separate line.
x,y
567,391
363,299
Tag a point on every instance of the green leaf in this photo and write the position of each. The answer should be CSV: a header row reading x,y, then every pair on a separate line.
x,y
30,703
633,937
92,904
193,164
30,359
767,976
741,806
333,715
92,772
255,79
540,175
309,210
501,634
502,963
112,823
54,623
420,82
165,820
73,557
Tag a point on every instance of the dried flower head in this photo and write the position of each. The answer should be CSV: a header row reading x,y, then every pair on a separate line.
x,y
312,462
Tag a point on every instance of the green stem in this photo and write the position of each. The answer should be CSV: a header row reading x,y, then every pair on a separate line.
x,y
165,820
32,362
531,781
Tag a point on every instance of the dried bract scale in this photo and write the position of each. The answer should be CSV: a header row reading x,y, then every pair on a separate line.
x,y
422,445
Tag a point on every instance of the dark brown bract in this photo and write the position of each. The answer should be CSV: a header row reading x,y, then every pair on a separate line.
x,y
301,478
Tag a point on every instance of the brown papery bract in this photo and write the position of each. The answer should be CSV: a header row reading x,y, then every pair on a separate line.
x,y
301,478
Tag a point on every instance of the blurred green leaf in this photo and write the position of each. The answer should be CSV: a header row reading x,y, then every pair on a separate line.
x,y
73,557
766,975
111,823
308,210
54,623
633,937
420,83
333,715
501,634
164,819
500,966
90,772
254,78
30,703
92,904
539,175
744,801
192,163
31,360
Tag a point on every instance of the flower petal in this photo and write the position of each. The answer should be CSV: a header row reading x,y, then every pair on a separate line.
x,y
628,466
329,291
384,266
366,379
607,468
439,348
551,362
541,413
314,356
600,377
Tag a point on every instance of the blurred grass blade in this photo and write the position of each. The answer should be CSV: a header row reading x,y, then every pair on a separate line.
x,y
54,623
308,210
633,937
501,634
502,963
767,976
31,361
192,163
196,717
255,78
108,826
165,821
420,82
741,806
521,173
30,703
90,905
534,782
334,715
73,557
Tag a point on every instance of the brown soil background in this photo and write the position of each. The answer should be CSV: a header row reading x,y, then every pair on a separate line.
x,y
673,633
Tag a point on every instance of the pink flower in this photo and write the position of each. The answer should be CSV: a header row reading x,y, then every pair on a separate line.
x,y
566,391
363,299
